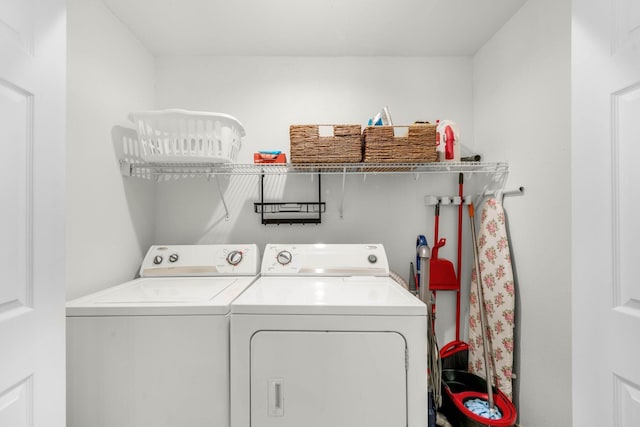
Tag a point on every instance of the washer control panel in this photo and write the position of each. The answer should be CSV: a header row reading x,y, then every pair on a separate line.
x,y
325,260
201,260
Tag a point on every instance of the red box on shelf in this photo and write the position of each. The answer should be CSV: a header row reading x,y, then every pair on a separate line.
x,y
269,158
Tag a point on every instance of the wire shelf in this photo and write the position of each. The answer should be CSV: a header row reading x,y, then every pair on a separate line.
x,y
177,170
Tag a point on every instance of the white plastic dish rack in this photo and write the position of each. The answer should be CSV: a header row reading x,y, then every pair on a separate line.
x,y
181,136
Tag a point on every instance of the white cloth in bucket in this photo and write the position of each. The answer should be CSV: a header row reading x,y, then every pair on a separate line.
x,y
480,407
499,294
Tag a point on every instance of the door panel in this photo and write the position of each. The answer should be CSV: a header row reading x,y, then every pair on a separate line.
x,y
626,31
32,158
606,231
15,187
624,313
627,409
626,197
15,404
319,379
17,22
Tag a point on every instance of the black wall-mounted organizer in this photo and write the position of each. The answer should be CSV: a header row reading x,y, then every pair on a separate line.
x,y
290,212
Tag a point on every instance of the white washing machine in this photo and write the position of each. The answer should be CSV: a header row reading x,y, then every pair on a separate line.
x,y
326,338
154,352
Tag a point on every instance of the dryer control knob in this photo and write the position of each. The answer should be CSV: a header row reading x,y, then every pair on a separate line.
x,y
157,259
284,257
234,257
373,259
173,257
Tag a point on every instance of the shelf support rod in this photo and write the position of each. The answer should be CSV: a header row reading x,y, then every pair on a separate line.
x,y
344,177
224,203
319,197
505,193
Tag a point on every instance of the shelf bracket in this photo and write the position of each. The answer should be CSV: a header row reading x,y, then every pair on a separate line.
x,y
495,185
125,168
224,203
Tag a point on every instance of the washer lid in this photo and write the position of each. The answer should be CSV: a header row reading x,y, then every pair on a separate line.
x,y
162,296
328,295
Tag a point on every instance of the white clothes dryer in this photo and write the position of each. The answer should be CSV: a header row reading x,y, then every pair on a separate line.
x,y
326,338
155,351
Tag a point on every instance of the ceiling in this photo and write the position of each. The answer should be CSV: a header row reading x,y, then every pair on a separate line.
x,y
314,27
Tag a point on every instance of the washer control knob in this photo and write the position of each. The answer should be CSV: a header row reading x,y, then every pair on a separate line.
x,y
373,259
173,257
157,259
284,257
234,257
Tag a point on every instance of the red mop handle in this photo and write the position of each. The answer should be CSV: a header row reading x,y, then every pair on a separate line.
x,y
459,263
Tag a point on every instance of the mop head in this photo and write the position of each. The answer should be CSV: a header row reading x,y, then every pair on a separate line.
x,y
480,407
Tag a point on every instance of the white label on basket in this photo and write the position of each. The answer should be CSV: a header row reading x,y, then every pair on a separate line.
x,y
400,131
324,131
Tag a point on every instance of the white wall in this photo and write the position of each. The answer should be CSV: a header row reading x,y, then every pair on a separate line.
x,y
522,113
268,94
109,225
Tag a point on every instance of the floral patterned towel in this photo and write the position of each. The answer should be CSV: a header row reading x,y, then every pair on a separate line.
x,y
499,299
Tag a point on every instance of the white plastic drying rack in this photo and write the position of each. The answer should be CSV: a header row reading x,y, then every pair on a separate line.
x,y
498,171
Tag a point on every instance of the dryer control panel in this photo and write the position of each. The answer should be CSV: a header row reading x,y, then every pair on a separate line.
x,y
201,260
325,260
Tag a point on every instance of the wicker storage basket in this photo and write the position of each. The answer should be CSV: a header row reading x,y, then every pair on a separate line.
x,y
343,145
417,146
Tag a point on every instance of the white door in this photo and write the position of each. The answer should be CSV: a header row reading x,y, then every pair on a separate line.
x,y
606,213
32,127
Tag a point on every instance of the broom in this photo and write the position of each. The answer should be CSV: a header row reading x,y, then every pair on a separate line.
x,y
455,354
